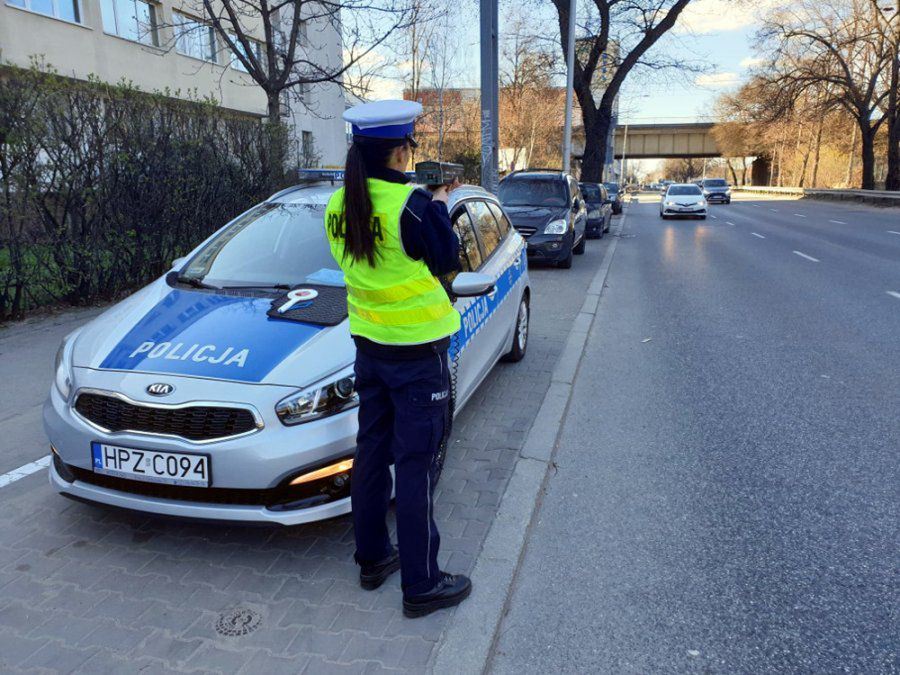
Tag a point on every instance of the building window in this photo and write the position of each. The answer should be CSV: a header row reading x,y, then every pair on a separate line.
x,y
67,10
307,144
257,52
303,92
132,20
194,37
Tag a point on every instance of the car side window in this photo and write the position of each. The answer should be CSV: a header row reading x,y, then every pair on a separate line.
x,y
486,224
469,254
604,194
502,220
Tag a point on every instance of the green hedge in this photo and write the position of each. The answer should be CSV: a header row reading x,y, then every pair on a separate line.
x,y
102,186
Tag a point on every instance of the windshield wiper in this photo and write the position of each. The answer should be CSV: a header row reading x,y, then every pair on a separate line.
x,y
279,287
195,282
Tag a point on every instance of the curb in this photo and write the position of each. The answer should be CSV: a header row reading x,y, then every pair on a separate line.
x,y
466,643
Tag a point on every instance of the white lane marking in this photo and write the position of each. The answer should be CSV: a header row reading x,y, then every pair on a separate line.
x,y
893,232
808,257
894,294
23,471
800,215
756,234
713,217
728,222
774,210
837,222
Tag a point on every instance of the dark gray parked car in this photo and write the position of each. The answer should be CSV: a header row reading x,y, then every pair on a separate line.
x,y
547,209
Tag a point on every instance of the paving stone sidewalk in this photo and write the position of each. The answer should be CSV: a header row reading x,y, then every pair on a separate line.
x,y
85,589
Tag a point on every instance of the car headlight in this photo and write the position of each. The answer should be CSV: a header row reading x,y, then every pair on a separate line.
x,y
319,401
670,203
702,202
62,368
556,227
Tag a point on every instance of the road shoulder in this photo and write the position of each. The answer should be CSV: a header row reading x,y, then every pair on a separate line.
x,y
467,641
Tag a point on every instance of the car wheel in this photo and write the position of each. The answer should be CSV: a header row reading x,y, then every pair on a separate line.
x,y
520,337
579,250
703,217
663,216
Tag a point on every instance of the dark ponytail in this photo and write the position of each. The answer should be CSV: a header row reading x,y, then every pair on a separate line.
x,y
365,156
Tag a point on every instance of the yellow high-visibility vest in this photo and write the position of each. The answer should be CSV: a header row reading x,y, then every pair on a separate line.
x,y
397,301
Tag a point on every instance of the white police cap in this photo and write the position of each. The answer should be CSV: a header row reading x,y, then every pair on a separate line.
x,y
384,119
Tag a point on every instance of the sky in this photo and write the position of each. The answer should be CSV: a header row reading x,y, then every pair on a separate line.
x,y
716,34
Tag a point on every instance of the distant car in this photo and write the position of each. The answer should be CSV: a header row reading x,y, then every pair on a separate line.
x,y
664,185
683,199
716,190
615,196
548,210
599,208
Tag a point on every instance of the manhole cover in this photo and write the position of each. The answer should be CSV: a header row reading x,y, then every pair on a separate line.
x,y
240,621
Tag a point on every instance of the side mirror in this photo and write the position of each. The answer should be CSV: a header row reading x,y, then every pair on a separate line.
x,y
576,204
472,284
178,262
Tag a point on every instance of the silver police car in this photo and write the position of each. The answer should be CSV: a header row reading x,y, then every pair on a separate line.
x,y
191,399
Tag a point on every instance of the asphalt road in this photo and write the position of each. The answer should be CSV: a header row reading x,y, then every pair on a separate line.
x,y
727,497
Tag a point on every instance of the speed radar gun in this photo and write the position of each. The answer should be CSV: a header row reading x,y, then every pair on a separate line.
x,y
436,174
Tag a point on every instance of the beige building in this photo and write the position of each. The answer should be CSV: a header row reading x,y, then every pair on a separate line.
x,y
164,46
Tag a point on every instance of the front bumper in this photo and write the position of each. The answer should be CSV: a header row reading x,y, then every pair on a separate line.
x,y
255,468
549,247
683,211
718,197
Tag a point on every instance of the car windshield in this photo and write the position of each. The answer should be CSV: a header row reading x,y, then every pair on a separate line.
x,y
612,187
681,190
271,244
533,192
715,182
591,192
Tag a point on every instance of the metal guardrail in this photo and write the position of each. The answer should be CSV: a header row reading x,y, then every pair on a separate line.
x,y
880,197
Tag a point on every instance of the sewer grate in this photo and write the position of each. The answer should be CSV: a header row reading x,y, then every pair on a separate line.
x,y
239,621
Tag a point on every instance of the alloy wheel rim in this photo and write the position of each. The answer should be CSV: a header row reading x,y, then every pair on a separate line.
x,y
523,325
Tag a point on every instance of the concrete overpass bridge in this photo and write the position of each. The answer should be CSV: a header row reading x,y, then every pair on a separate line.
x,y
659,141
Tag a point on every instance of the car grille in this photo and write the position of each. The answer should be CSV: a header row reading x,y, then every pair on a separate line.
x,y
195,423
525,231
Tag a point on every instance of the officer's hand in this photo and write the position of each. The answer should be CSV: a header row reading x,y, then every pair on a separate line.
x,y
442,192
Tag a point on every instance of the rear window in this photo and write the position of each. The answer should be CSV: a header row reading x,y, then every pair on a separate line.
x,y
715,182
534,192
683,190
591,192
612,187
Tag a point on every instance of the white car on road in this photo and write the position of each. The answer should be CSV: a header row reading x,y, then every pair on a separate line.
x,y
683,199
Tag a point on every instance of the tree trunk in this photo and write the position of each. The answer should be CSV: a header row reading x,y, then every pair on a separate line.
x,y
596,128
868,156
851,155
892,180
815,169
734,179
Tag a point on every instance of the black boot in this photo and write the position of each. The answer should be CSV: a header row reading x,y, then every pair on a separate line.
x,y
371,576
450,590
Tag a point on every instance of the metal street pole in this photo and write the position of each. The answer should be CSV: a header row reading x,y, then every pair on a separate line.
x,y
490,128
570,86
624,151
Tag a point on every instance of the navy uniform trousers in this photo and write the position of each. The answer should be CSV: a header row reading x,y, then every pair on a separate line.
x,y
403,408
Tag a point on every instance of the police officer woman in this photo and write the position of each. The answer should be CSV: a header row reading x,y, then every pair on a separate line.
x,y
391,240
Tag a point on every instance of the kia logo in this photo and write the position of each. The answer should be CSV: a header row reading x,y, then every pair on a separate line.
x,y
160,389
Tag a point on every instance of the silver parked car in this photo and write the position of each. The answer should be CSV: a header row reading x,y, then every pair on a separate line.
x,y
193,398
683,199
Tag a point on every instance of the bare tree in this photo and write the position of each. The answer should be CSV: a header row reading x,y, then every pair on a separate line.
x,y
890,27
279,43
616,40
835,49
